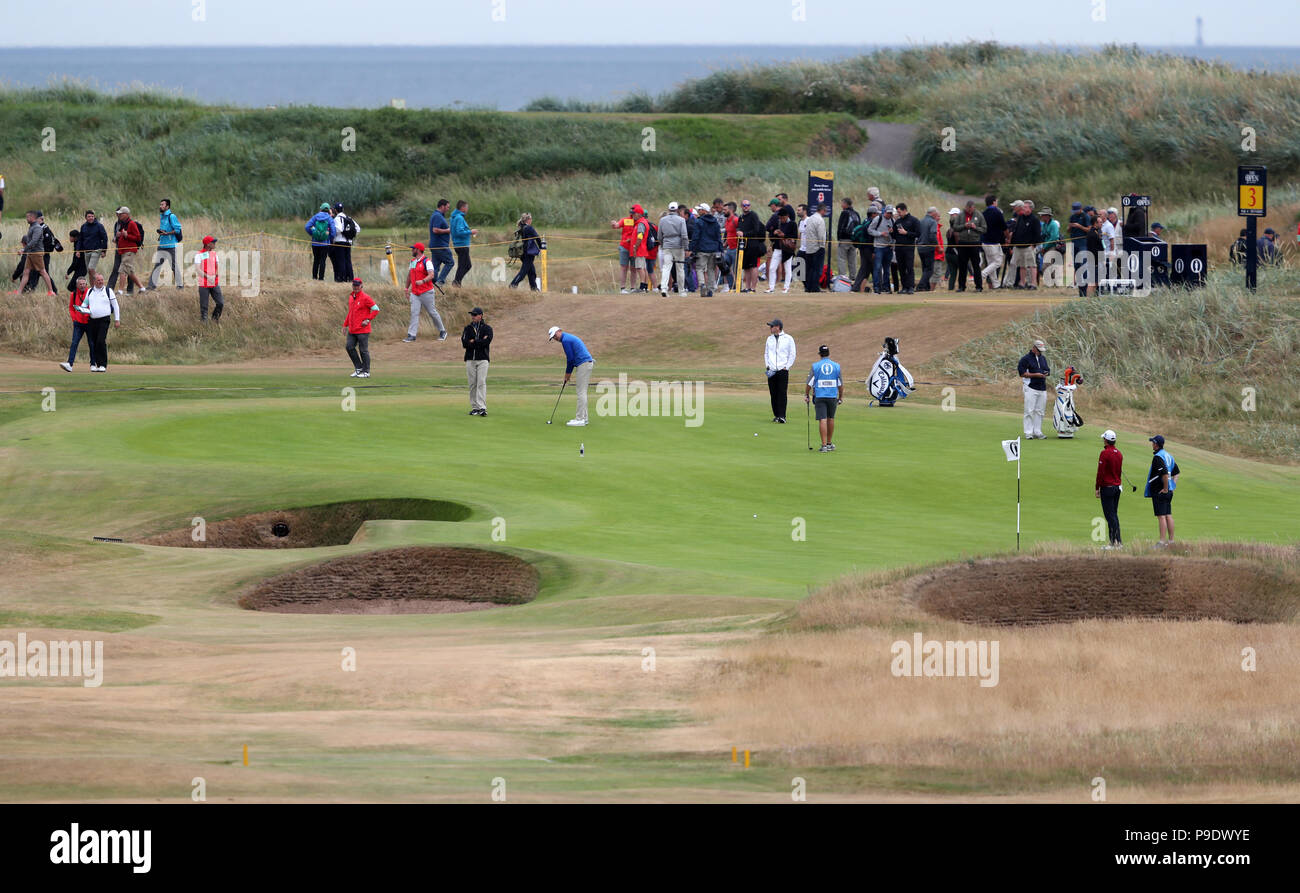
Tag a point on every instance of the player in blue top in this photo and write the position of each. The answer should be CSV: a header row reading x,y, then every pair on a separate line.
x,y
1161,481
825,387
579,359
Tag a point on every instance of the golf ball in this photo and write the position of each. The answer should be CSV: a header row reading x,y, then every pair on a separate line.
x,y
1216,506
755,433
756,516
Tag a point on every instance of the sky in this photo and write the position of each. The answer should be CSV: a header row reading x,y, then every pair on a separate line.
x,y
747,22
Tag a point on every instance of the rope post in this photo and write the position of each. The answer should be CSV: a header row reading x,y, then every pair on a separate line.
x,y
543,246
392,267
740,263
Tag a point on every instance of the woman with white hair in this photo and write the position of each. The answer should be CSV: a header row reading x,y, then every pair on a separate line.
x,y
532,246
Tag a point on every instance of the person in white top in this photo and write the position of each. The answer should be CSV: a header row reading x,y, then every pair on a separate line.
x,y
778,355
812,245
101,305
1110,242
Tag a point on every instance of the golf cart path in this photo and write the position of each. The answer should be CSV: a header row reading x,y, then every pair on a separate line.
x,y
889,145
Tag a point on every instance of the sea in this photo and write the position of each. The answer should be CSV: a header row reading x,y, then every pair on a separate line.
x,y
486,77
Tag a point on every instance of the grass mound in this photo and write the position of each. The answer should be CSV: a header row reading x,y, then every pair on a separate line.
x,y
1036,590
334,524
413,580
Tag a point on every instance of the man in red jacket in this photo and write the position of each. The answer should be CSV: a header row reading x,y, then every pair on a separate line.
x,y
79,320
361,310
1110,465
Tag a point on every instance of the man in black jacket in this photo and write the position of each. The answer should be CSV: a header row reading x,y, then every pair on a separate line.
x,y
1026,233
477,339
906,231
846,253
93,243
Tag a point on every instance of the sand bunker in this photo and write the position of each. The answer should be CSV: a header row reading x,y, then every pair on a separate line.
x,y
334,524
1046,589
411,580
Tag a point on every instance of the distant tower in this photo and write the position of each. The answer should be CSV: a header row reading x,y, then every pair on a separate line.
x,y
1200,41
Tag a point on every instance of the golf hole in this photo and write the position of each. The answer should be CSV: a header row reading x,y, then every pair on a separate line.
x,y
1067,589
334,524
409,580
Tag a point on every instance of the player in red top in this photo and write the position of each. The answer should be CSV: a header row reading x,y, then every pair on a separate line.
x,y
1110,467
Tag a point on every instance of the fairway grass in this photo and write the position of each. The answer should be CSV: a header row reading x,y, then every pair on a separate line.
x,y
663,543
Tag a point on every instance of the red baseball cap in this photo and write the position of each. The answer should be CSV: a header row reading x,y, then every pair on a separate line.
x,y
208,240
418,246
638,209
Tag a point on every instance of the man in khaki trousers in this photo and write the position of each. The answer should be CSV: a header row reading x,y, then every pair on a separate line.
x,y
476,339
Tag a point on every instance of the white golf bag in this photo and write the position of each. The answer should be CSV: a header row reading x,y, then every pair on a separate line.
x,y
1064,418
889,381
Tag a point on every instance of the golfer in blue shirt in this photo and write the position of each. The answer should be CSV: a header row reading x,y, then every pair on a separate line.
x,y
826,388
579,359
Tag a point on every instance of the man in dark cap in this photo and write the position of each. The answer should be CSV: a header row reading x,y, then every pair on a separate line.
x,y
476,339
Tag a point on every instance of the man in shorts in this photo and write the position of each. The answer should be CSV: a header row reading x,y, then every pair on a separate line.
x,y
1026,234
1161,481
825,387
627,228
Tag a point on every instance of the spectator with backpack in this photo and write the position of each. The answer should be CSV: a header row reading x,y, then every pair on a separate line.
x,y
706,245
862,240
784,234
930,246
730,240
100,305
970,228
530,245
322,231
461,234
34,252
846,253
346,231
130,238
644,237
169,243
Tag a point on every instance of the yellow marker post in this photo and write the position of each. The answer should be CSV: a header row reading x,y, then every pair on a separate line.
x,y
543,265
392,267
733,755
245,754
740,264
746,759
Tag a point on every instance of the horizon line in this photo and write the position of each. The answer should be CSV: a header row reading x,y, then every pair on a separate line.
x,y
606,44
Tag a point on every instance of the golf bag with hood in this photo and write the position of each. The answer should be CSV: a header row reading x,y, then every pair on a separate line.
x,y
1064,417
889,382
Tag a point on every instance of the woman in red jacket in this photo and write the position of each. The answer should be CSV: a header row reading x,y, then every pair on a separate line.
x,y
361,310
79,320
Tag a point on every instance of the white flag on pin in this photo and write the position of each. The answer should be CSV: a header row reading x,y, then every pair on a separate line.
x,y
1012,449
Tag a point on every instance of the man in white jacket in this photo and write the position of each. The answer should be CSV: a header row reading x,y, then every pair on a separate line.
x,y
101,305
778,355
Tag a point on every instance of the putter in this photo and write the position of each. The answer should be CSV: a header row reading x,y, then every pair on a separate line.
x,y
807,425
557,403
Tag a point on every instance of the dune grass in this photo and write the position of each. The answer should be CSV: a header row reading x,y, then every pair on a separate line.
x,y
1177,359
246,163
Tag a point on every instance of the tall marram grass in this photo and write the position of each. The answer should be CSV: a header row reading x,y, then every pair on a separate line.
x,y
253,164
1177,358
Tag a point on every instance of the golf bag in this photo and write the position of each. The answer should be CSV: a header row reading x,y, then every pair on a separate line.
x,y
1064,417
889,382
